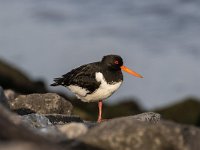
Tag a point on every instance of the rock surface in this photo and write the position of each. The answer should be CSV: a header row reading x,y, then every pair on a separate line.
x,y
62,119
13,129
30,146
49,103
41,125
73,130
139,132
51,126
147,117
10,94
36,121
3,99
131,134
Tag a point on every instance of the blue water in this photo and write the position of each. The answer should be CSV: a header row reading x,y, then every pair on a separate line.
x,y
158,39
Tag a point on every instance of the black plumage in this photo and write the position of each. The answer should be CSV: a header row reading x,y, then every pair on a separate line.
x,y
84,76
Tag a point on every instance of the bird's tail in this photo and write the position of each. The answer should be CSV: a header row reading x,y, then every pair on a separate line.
x,y
57,81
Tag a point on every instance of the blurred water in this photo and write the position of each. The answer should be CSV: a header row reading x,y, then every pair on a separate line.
x,y
157,38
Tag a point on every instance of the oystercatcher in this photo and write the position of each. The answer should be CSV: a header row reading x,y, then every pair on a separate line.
x,y
96,81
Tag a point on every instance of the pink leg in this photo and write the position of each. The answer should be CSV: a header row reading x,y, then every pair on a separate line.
x,y
100,111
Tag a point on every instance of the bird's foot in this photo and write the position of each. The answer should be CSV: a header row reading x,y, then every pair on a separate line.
x,y
102,120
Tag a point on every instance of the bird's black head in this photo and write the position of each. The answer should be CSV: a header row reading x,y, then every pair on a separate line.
x,y
112,61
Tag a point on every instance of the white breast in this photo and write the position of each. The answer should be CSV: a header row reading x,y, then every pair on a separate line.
x,y
104,91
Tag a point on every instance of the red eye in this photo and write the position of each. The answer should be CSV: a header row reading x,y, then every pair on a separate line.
x,y
116,62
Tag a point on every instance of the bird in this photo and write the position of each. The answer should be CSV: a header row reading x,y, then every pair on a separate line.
x,y
95,82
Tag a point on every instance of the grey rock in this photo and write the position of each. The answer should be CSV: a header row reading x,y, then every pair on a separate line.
x,y
36,121
12,128
41,125
49,103
130,134
145,117
20,145
3,99
90,124
73,130
59,119
148,117
29,128
45,120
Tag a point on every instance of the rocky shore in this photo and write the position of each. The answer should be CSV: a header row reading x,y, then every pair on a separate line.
x,y
45,121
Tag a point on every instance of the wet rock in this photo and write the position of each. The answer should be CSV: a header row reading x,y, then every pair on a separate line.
x,y
73,130
3,99
49,103
131,134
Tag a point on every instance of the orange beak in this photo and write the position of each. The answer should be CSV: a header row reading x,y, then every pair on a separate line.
x,y
124,68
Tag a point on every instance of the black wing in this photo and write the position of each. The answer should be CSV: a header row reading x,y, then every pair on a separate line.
x,y
83,76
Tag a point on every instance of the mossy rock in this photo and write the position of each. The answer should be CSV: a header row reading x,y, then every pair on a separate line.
x,y
13,78
187,111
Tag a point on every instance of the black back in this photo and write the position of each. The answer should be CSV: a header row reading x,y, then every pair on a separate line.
x,y
84,76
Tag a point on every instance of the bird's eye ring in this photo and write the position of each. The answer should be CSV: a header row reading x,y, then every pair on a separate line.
x,y
116,62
